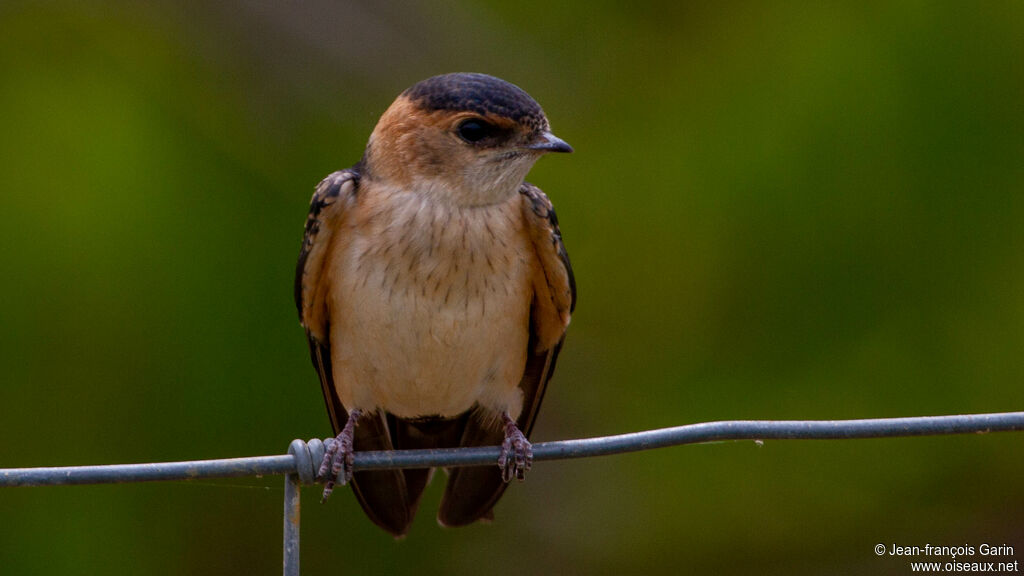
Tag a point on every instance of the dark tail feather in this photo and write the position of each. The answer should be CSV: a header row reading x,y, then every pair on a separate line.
x,y
383,494
390,497
472,492
423,434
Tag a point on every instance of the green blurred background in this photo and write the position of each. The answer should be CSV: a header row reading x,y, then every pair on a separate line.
x,y
785,211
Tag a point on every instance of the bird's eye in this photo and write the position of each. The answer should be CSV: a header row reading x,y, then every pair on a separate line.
x,y
475,130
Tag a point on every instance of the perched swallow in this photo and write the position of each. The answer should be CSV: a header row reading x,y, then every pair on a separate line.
x,y
435,292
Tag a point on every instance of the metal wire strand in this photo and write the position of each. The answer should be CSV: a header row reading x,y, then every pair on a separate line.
x,y
303,457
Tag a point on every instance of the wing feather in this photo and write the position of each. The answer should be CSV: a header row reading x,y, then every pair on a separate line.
x,y
331,202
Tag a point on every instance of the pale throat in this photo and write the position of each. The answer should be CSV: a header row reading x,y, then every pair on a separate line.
x,y
472,188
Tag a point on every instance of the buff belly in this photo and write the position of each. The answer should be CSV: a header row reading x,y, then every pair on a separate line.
x,y
434,309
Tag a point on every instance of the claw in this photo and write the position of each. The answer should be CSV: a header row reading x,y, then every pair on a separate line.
x,y
339,457
516,452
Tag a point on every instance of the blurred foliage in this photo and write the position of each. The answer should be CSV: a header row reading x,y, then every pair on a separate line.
x,y
784,210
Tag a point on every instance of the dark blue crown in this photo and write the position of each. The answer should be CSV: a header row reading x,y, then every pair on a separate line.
x,y
478,93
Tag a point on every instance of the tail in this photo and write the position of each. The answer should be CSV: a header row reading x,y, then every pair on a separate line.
x,y
472,492
390,498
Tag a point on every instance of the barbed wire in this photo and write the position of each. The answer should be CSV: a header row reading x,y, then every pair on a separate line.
x,y
304,457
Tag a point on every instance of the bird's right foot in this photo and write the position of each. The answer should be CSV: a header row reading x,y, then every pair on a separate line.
x,y
339,456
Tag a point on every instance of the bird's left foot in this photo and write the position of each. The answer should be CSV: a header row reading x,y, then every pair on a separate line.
x,y
338,457
516,452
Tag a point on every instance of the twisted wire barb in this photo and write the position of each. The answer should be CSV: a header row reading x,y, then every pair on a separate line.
x,y
303,457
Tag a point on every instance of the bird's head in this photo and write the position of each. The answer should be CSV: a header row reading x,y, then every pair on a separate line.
x,y
468,139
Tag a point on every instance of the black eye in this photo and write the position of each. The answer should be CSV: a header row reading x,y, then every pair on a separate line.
x,y
474,130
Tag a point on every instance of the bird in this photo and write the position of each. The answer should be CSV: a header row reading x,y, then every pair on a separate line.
x,y
435,292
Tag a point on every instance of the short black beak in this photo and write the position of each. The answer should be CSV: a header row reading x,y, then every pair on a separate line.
x,y
548,142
